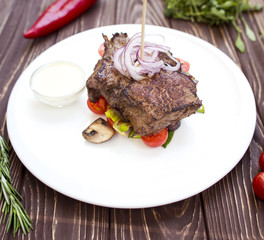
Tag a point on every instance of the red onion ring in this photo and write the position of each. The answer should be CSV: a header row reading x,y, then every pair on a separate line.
x,y
128,62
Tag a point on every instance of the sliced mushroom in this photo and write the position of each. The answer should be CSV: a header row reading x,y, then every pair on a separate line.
x,y
98,132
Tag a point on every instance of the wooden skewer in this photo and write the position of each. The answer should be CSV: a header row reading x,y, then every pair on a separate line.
x,y
143,27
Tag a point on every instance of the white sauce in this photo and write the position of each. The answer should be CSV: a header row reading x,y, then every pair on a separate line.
x,y
58,81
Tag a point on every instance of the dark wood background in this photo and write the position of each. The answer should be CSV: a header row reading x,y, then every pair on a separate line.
x,y
227,210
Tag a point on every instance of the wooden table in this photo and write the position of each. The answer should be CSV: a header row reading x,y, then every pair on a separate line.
x,y
227,210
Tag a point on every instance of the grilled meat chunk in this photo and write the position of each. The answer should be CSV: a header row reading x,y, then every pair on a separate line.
x,y
151,104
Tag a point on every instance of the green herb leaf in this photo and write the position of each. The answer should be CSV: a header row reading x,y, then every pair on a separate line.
x,y
170,136
213,12
240,44
249,32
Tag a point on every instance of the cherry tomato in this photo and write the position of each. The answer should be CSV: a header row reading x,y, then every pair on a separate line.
x,y
99,107
101,50
156,140
261,161
258,185
185,66
110,122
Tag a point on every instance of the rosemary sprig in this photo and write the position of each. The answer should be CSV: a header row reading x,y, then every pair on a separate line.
x,y
214,12
12,206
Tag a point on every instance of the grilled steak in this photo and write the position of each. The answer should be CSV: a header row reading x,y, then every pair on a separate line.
x,y
151,104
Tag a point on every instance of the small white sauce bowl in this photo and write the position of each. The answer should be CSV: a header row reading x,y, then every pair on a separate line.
x,y
58,83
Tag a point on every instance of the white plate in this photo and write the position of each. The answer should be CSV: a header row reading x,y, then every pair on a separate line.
x,y
122,172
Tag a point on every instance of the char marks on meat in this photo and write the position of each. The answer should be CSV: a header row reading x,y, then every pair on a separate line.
x,y
151,104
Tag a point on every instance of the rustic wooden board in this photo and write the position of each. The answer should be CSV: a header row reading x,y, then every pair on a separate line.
x,y
227,210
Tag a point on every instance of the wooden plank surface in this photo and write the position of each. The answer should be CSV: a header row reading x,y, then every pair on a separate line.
x,y
227,210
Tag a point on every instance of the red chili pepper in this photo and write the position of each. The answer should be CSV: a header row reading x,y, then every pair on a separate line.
x,y
58,14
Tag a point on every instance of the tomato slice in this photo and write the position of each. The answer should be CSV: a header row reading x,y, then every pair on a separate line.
x,y
185,66
261,161
99,107
258,185
156,140
101,49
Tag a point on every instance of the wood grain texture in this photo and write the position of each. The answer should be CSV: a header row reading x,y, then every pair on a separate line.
x,y
183,220
227,210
